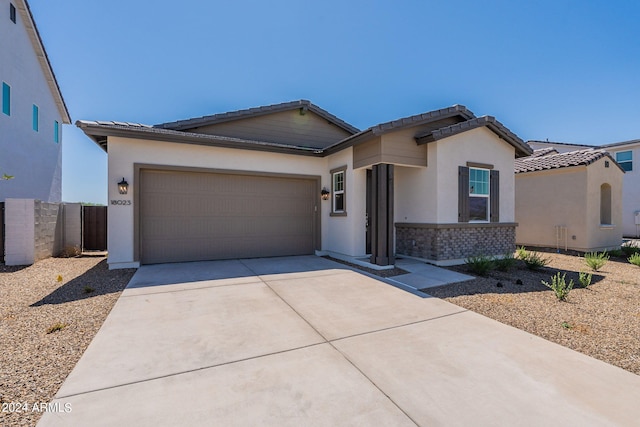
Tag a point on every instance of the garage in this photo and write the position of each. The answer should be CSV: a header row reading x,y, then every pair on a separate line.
x,y
197,216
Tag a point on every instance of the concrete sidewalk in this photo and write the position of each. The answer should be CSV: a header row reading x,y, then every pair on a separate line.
x,y
306,341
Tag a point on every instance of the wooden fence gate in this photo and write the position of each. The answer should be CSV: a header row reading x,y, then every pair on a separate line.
x,y
94,228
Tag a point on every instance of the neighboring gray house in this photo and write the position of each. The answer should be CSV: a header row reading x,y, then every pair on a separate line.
x,y
626,154
293,179
32,110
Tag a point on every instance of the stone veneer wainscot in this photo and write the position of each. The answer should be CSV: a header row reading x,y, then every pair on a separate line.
x,y
448,242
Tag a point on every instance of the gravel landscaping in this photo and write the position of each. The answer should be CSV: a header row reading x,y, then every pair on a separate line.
x,y
49,313
602,321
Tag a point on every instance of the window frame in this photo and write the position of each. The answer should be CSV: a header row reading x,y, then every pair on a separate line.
x,y
623,163
486,196
35,118
12,13
6,98
56,131
342,192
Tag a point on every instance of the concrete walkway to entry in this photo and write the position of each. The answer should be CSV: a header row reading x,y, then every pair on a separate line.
x,y
304,341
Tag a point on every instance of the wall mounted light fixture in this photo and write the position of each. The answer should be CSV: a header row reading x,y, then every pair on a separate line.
x,y
123,186
325,194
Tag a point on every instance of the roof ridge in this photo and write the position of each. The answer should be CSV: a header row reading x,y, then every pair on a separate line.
x,y
253,111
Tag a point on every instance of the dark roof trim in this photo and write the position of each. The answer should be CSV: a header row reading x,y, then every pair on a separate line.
x,y
43,58
407,122
302,104
562,160
569,144
99,131
621,144
490,122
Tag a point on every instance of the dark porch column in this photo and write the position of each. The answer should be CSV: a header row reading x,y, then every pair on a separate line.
x,y
382,215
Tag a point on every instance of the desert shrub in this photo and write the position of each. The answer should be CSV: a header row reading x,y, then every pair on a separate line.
x,y
559,286
585,279
596,260
618,253
535,261
635,259
505,263
521,253
630,250
480,265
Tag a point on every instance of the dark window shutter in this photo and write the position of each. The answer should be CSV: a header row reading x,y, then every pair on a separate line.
x,y
463,194
494,195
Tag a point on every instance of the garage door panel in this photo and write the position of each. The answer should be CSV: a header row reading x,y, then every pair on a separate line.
x,y
190,216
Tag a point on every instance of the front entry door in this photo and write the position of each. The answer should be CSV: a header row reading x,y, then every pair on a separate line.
x,y
368,214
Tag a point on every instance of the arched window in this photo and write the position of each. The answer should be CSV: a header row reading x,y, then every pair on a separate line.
x,y
605,204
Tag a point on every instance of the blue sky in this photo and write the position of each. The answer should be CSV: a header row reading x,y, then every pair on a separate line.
x,y
563,70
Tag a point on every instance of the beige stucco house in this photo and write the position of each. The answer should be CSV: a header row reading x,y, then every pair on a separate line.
x,y
291,179
569,200
625,153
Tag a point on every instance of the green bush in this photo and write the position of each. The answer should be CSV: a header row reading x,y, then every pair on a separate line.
x,y
559,286
521,253
505,263
585,279
630,250
596,260
618,253
635,259
532,260
480,264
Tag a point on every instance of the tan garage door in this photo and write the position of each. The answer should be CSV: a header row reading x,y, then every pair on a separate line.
x,y
194,216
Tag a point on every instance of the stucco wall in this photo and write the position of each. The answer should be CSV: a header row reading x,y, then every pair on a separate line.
x,y
33,158
630,191
339,234
549,198
569,197
601,236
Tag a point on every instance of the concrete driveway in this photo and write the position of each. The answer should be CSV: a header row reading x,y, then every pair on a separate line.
x,y
306,341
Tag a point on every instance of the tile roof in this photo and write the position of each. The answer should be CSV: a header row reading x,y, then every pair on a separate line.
x,y
544,152
99,130
522,149
560,160
257,111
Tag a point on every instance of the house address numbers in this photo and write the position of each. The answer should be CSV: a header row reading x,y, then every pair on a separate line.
x,y
121,202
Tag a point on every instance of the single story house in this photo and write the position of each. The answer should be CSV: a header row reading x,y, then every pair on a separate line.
x,y
624,152
569,200
293,179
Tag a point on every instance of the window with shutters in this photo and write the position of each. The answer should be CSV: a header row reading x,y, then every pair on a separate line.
x,y
478,194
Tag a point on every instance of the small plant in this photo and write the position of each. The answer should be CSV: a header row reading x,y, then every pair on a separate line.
x,y
505,263
566,325
596,260
521,253
535,261
56,327
59,278
617,253
559,286
480,264
630,250
88,289
585,279
634,259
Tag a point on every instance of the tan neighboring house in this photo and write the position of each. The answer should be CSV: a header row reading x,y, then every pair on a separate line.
x,y
626,154
569,200
293,179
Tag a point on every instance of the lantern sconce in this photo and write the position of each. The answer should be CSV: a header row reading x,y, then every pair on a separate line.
x,y
325,193
123,186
